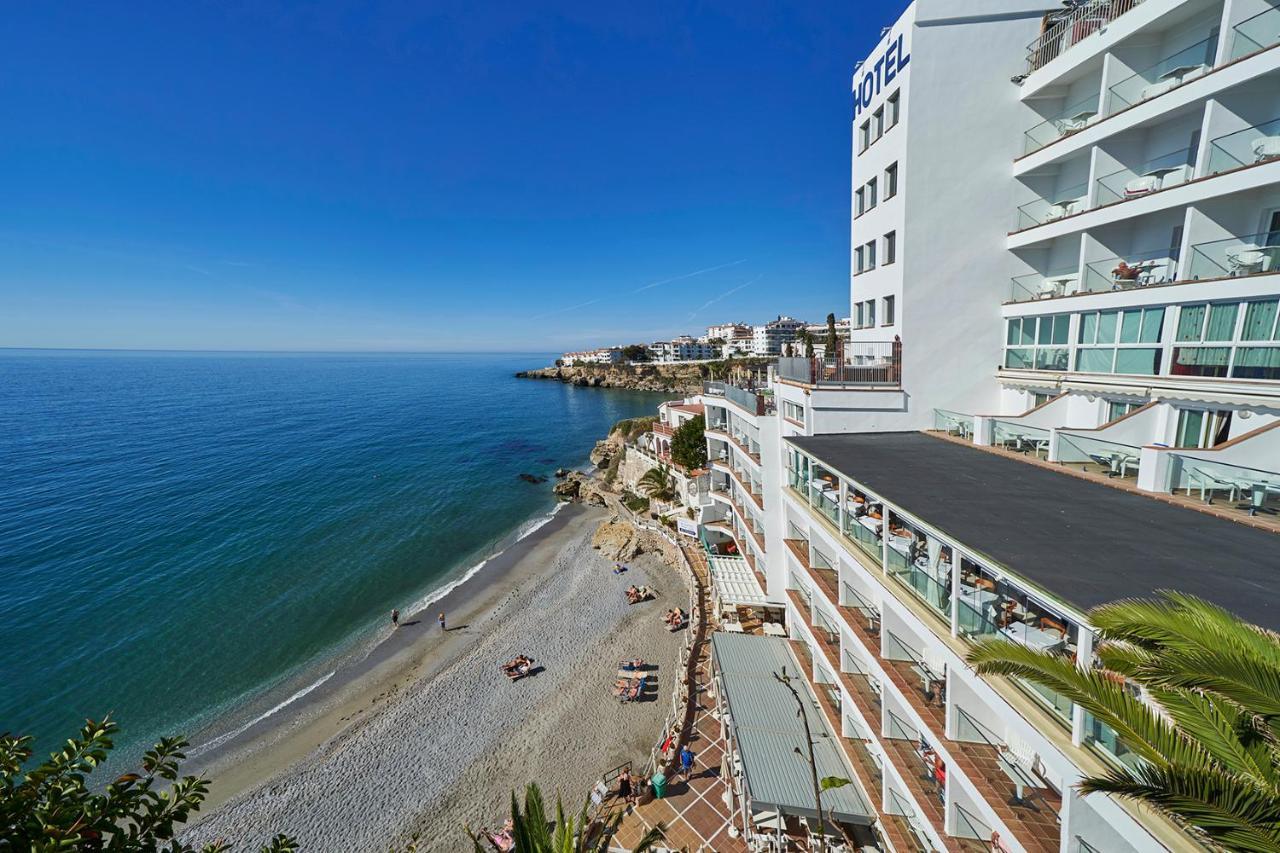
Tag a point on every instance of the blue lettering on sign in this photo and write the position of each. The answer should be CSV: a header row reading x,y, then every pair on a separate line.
x,y
879,75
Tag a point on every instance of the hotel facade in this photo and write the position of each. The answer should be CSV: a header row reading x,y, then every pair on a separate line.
x,y
1061,387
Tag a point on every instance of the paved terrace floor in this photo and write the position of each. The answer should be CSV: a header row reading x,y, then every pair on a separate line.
x,y
1084,542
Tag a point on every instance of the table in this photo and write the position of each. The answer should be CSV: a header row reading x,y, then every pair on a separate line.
x,y
1019,777
1258,496
976,598
1029,635
773,629
1180,71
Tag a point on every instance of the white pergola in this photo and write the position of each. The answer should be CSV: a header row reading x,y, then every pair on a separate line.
x,y
733,583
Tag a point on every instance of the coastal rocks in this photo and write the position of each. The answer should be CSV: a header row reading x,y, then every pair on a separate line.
x,y
616,540
561,473
568,490
533,478
664,378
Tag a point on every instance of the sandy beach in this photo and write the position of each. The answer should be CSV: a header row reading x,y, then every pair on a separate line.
x,y
427,734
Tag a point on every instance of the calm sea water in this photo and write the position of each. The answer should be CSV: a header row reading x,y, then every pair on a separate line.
x,y
185,536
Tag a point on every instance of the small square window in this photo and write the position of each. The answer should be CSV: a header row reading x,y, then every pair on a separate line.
x,y
890,247
864,136
891,181
887,312
892,106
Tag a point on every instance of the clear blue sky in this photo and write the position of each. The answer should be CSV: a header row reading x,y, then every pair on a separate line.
x,y
422,176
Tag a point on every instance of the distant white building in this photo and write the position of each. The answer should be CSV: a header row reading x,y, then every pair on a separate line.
x,y
768,339
684,348
604,355
819,333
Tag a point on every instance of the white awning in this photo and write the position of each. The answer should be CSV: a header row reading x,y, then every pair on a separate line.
x,y
734,583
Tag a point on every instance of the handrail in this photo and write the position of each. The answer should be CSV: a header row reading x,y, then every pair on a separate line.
x,y
1073,27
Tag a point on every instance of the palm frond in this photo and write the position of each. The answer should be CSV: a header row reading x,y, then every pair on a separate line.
x,y
1140,727
1222,729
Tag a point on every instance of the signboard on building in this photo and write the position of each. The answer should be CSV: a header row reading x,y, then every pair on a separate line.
x,y
877,75
687,526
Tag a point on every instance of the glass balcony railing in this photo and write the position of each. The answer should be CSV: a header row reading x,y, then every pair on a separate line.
x,y
931,584
968,826
1159,173
1249,488
1138,269
1016,782
1233,257
1256,144
1099,455
1063,203
977,611
1101,736
1023,438
825,502
1165,75
1036,285
1254,34
1070,119
953,422
862,604
862,531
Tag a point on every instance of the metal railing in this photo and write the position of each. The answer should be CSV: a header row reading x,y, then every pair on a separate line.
x,y
1060,204
1254,34
1072,26
1070,119
863,605
1020,437
1015,782
863,363
968,826
1252,145
1163,76
1158,173
1252,254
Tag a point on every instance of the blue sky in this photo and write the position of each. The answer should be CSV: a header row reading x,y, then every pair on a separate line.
x,y
422,176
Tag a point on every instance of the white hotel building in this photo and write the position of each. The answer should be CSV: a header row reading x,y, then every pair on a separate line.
x,y
1062,387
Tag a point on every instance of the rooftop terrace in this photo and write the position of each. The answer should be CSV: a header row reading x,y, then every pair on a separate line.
x,y
1084,542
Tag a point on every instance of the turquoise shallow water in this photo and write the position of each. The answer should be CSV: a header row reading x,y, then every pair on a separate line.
x,y
184,535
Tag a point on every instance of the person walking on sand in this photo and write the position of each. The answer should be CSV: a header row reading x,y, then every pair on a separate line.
x,y
395,618
686,761
442,625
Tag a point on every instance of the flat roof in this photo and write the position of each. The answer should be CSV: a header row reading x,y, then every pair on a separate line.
x,y
768,731
1086,543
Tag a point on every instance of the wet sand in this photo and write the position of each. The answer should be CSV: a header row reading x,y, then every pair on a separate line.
x,y
426,734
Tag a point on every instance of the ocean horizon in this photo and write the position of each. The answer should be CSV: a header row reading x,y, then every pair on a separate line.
x,y
190,539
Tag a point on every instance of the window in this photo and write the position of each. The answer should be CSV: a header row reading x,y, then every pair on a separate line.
x,y
1109,341
859,202
793,412
1202,428
871,193
890,247
871,312
1039,343
891,181
864,135
877,124
859,263
1117,409
869,251
1209,343
857,312
1038,399
887,312
891,106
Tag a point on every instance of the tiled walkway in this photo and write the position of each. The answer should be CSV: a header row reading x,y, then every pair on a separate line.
x,y
694,814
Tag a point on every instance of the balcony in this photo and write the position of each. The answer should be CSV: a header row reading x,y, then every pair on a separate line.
x,y
1072,118
1163,76
1254,34
1137,269
752,401
1159,173
1249,147
1112,459
1072,27
953,423
1019,437
864,363
1235,257
1248,491
1062,282
1059,205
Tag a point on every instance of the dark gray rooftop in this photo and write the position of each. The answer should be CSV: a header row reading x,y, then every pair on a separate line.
x,y
1086,543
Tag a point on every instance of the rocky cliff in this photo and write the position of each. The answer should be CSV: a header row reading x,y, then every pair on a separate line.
x,y
677,378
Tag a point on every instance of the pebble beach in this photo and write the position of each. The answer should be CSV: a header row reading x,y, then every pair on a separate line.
x,y
438,738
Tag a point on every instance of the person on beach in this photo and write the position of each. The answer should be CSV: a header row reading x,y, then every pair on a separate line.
x,y
442,625
395,618
686,761
625,792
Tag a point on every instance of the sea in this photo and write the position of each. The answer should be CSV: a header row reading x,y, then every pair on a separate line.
x,y
191,541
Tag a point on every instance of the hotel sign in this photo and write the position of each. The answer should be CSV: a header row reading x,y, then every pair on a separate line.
x,y
878,76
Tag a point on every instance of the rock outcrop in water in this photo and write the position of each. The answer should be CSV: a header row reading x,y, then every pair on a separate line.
x,y
675,378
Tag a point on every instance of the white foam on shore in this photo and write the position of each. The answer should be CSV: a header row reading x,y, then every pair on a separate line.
x,y
221,739
524,531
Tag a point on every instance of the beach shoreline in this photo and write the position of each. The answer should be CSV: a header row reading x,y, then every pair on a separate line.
x,y
549,595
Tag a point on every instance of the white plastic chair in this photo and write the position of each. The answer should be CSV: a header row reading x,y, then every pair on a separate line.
x,y
1141,186
1245,259
1207,483
1265,148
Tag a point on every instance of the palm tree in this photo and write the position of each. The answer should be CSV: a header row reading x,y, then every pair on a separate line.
x,y
533,833
658,483
1205,724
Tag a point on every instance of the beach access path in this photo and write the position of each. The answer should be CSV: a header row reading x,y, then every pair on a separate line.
x,y
443,738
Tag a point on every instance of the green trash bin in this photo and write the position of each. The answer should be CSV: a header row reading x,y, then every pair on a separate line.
x,y
659,785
